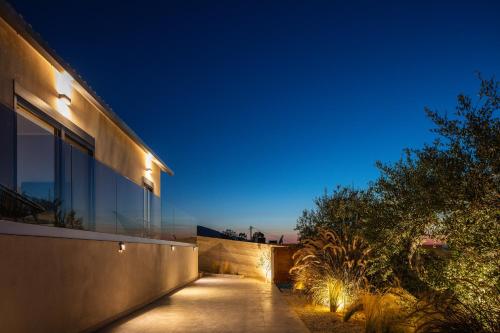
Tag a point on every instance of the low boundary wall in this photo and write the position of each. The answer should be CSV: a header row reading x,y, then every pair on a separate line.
x,y
224,256
58,284
282,263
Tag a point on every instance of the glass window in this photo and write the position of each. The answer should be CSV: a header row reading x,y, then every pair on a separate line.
x,y
156,227
75,144
130,208
81,185
54,174
36,163
78,170
147,211
105,198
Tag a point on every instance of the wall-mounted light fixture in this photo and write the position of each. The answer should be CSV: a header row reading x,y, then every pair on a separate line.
x,y
121,247
65,99
172,247
149,165
195,248
64,89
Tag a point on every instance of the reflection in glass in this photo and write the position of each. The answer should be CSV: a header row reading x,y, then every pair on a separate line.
x,y
155,230
36,158
129,214
105,198
147,212
59,183
177,224
81,187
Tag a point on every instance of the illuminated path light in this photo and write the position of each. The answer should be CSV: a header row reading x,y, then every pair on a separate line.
x,y
216,304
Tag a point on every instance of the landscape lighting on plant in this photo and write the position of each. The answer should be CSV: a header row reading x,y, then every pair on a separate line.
x,y
121,247
265,264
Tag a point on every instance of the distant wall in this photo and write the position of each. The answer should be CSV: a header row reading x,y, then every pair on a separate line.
x,y
224,256
71,285
282,263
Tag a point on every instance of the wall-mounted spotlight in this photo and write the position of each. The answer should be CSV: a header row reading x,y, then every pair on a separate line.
x,y
65,99
172,247
195,248
149,164
64,89
121,247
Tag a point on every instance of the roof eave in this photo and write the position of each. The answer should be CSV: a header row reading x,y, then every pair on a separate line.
x,y
9,14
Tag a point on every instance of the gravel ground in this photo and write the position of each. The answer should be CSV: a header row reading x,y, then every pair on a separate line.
x,y
319,319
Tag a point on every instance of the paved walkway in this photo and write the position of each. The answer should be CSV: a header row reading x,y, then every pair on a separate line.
x,y
215,304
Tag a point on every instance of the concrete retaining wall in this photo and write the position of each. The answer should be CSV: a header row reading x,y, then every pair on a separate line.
x,y
225,256
69,285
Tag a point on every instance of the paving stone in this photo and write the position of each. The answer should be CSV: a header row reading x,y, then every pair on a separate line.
x,y
215,304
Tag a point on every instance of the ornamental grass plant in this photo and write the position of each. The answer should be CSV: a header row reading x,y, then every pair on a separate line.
x,y
331,268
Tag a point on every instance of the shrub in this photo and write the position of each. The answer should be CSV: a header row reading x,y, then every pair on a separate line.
x,y
385,312
265,263
444,312
331,267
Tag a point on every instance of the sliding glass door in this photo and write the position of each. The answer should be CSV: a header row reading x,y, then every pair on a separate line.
x,y
36,165
54,172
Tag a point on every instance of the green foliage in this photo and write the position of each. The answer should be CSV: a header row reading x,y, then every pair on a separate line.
x,y
258,237
449,190
229,234
346,207
385,311
444,312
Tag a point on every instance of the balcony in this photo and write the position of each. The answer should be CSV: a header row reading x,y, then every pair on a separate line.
x,y
46,180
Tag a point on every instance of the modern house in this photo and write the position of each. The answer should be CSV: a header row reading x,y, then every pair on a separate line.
x,y
81,234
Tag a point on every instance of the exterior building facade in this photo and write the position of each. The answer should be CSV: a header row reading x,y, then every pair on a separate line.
x,y
72,171
62,144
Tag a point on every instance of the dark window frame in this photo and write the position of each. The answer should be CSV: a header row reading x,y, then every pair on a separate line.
x,y
74,136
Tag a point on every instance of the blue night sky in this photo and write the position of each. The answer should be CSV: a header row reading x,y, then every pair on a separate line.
x,y
259,107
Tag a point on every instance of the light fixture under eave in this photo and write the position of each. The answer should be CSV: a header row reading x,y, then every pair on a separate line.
x,y
149,164
64,86
121,247
65,99
172,248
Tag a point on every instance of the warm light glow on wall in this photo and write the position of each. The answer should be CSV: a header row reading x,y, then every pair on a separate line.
x,y
265,264
64,83
149,165
63,108
64,88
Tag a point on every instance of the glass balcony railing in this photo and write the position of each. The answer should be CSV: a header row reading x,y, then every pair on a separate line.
x,y
47,181
177,223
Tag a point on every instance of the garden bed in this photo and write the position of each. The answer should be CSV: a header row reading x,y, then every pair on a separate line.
x,y
319,318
